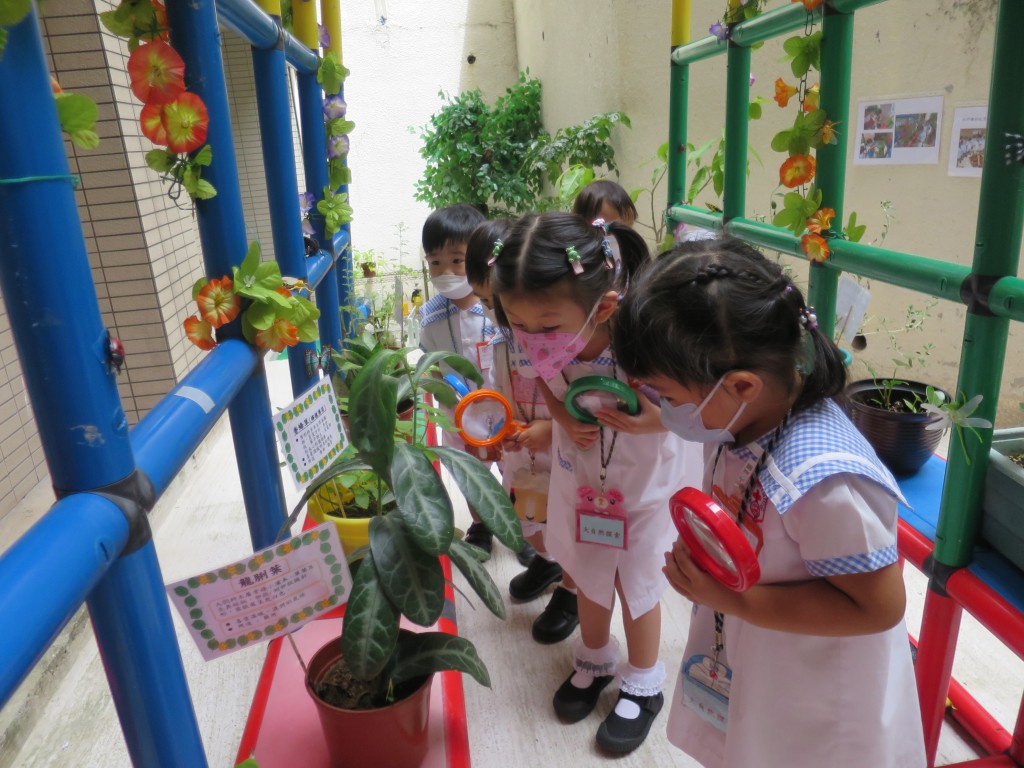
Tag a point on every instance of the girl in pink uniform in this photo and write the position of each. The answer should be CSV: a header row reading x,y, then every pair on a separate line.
x,y
811,666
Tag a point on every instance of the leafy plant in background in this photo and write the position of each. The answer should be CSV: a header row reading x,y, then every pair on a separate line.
x,y
276,317
499,157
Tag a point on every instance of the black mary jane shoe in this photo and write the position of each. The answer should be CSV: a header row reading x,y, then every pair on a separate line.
x,y
526,554
572,704
619,736
478,535
537,577
558,619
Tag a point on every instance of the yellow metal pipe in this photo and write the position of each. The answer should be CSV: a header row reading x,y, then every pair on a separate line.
x,y
680,22
304,23
330,12
272,7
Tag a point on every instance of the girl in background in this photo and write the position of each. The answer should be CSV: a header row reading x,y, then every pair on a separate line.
x,y
605,199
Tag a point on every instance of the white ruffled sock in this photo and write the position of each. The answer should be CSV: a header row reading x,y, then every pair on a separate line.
x,y
594,662
639,682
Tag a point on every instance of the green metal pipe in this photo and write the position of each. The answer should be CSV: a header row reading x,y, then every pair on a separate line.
x,y
849,6
778,21
766,236
677,105
699,217
996,253
737,122
1007,299
704,48
836,65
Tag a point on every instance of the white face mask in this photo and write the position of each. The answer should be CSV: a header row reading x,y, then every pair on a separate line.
x,y
452,287
685,420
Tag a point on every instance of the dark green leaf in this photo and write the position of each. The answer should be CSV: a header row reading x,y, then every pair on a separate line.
x,y
372,405
456,362
423,501
484,494
441,390
370,631
411,578
466,560
423,653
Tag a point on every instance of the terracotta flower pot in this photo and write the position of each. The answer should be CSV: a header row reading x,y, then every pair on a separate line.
x,y
395,736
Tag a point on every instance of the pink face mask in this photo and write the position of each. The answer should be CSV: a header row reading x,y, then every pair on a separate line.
x,y
549,353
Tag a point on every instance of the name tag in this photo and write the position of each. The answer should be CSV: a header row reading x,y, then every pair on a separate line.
x,y
601,519
484,356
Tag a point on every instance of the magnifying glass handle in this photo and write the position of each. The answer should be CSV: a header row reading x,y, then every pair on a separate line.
x,y
455,383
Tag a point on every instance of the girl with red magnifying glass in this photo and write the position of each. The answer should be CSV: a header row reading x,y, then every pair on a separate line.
x,y
797,653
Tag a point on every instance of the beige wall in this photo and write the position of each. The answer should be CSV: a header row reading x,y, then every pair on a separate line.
x,y
595,56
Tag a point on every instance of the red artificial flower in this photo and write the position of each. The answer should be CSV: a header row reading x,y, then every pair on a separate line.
x,y
185,120
157,73
218,303
783,92
810,5
160,12
797,170
200,332
815,247
821,220
279,335
812,97
153,124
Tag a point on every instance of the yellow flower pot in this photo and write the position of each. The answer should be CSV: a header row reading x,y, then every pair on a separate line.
x,y
353,532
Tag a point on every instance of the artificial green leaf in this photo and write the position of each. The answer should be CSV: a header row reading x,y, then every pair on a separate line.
x,y
340,126
75,112
338,173
854,231
85,139
423,653
204,156
754,110
423,502
197,286
370,631
465,558
13,11
780,142
457,363
3,41
203,190
303,316
117,22
484,494
790,219
161,160
411,578
261,316
330,73
372,411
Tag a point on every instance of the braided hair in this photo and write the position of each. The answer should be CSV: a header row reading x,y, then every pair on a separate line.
x,y
709,307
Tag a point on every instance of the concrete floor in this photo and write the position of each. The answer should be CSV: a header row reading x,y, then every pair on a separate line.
x,y
511,725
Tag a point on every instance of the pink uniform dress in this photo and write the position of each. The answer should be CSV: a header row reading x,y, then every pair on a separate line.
x,y
647,470
823,506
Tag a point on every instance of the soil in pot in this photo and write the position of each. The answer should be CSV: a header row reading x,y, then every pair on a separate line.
x,y
898,436
340,688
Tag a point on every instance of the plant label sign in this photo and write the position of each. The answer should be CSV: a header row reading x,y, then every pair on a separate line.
x,y
310,433
271,593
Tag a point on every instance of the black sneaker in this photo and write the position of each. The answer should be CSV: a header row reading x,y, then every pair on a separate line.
x,y
479,536
526,554
572,704
558,619
539,574
621,736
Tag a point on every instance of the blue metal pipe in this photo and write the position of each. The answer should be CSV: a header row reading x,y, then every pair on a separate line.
x,y
46,281
84,534
343,268
314,160
132,621
317,268
195,35
274,111
251,22
168,434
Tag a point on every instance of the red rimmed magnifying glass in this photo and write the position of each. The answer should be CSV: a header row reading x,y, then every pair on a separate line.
x,y
715,541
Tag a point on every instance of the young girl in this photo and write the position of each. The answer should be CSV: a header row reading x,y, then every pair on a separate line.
x,y
607,200
811,666
557,282
526,473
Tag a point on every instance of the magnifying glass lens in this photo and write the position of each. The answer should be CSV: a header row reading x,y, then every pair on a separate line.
x,y
483,419
594,400
709,540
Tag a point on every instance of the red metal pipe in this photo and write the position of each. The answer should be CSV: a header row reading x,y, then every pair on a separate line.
x,y
1017,744
940,626
995,761
988,607
913,545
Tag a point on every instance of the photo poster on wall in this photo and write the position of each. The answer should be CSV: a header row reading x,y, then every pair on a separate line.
x,y
967,141
898,131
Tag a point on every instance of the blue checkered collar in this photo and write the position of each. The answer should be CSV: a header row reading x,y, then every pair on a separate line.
x,y
440,308
819,442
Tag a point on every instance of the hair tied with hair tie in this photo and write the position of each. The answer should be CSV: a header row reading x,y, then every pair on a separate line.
x,y
808,319
495,252
600,223
574,259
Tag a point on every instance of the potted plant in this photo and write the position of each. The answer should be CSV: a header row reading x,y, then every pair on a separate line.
x,y
399,572
368,261
1003,520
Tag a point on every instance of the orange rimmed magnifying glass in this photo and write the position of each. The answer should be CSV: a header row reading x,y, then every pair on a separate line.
x,y
483,416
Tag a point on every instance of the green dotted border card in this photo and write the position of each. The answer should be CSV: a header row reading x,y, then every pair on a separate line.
x,y
310,433
273,592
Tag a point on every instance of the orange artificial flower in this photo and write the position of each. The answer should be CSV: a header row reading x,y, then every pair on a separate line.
x,y
815,247
812,97
821,220
797,170
153,124
783,92
200,332
185,120
160,12
810,5
157,73
218,303
55,86
279,335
